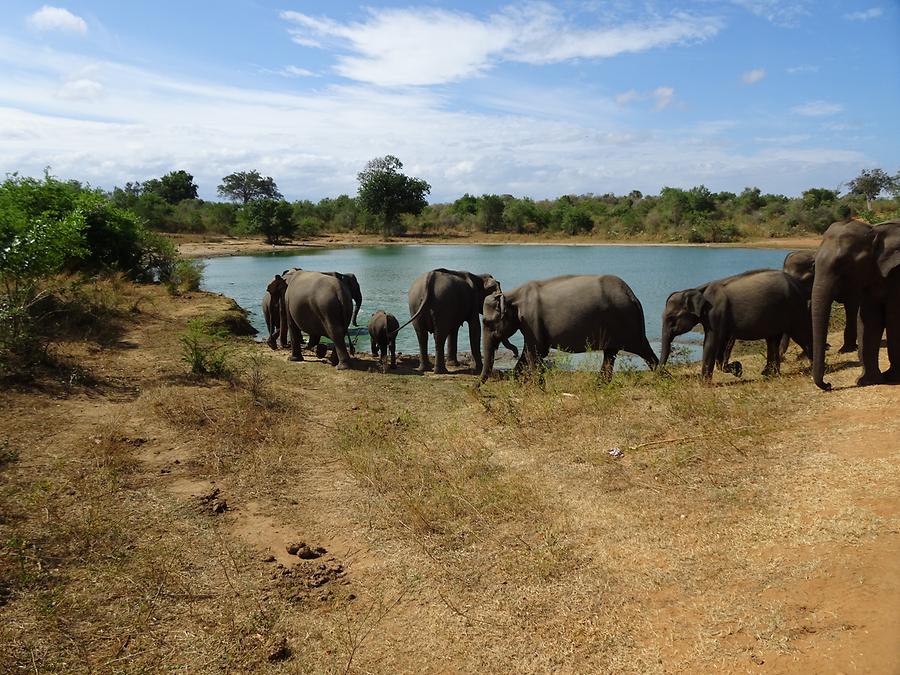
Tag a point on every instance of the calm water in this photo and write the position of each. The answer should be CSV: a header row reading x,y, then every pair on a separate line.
x,y
386,272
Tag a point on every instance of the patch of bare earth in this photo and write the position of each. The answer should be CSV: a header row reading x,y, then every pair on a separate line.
x,y
294,518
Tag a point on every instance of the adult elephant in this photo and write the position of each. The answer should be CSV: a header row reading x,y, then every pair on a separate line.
x,y
754,305
802,266
862,262
440,301
319,304
275,310
572,312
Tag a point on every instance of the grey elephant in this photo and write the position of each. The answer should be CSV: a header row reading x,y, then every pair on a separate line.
x,y
802,266
440,301
319,304
383,329
572,312
754,305
273,310
862,262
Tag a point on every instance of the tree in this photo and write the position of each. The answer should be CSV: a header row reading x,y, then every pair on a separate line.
x,y
490,212
388,194
245,186
174,187
271,218
872,182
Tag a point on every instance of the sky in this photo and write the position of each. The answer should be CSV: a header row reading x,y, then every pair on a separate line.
x,y
528,98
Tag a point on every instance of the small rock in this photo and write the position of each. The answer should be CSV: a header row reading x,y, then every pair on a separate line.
x,y
307,553
278,649
616,453
268,558
293,548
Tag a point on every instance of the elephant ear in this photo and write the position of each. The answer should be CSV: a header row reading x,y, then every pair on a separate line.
x,y
696,303
887,247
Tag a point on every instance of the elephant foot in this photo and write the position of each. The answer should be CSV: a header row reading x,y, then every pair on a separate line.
x,y
393,366
321,351
869,380
848,349
342,366
452,362
891,375
440,370
735,368
271,342
423,367
292,357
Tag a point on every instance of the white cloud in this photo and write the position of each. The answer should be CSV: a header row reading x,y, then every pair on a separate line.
x,y
295,71
779,12
81,89
394,47
864,15
57,18
663,96
629,96
753,76
817,109
315,143
804,68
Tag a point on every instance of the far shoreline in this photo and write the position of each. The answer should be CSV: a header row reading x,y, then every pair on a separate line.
x,y
194,246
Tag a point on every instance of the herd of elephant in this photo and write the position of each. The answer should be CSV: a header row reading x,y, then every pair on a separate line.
x,y
856,264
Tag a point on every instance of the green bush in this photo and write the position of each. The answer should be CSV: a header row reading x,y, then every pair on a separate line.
x,y
186,276
207,353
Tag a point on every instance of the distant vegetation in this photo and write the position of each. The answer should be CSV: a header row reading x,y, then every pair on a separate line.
x,y
390,203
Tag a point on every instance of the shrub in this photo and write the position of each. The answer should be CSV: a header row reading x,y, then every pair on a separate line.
x,y
207,353
186,276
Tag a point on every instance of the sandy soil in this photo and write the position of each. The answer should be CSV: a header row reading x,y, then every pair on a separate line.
x,y
445,528
200,247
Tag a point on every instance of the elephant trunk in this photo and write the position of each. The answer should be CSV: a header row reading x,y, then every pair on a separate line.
x,y
489,350
822,296
666,342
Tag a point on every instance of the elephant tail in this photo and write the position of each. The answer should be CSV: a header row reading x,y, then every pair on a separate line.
x,y
429,291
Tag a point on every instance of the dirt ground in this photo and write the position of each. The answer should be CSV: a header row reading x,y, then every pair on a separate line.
x,y
294,518
198,246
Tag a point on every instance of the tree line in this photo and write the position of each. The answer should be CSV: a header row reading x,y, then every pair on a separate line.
x,y
390,203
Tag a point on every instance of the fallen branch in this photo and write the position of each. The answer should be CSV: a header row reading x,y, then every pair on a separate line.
x,y
682,439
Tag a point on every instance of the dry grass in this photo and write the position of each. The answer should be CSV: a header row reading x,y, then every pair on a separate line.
x,y
467,528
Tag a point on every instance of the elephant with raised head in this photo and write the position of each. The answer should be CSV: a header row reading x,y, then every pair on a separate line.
x,y
802,266
754,305
861,262
383,329
319,304
576,313
440,301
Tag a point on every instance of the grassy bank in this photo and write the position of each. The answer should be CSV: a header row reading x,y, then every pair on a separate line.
x,y
147,514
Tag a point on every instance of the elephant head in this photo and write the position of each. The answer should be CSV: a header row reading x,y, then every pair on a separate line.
x,y
854,258
276,289
489,285
501,320
355,292
684,310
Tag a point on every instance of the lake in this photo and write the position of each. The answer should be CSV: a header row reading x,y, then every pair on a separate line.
x,y
386,272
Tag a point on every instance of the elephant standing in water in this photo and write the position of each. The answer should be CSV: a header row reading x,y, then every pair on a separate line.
x,y
802,266
319,304
755,305
861,262
571,312
440,301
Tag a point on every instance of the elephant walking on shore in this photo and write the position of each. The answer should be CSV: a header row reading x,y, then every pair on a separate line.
x,y
754,305
440,301
319,303
801,265
383,328
860,262
576,313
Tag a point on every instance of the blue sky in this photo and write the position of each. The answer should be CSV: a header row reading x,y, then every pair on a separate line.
x,y
528,98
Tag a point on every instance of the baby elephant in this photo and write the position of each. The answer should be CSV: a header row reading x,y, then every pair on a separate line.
x,y
383,329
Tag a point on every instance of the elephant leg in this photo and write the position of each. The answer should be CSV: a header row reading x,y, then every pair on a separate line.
x,y
773,356
475,341
723,359
393,346
422,336
343,355
892,327
609,360
440,363
851,309
783,345
712,347
350,346
452,359
296,354
871,328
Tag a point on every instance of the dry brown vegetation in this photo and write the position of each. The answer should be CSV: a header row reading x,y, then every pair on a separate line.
x,y
146,514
